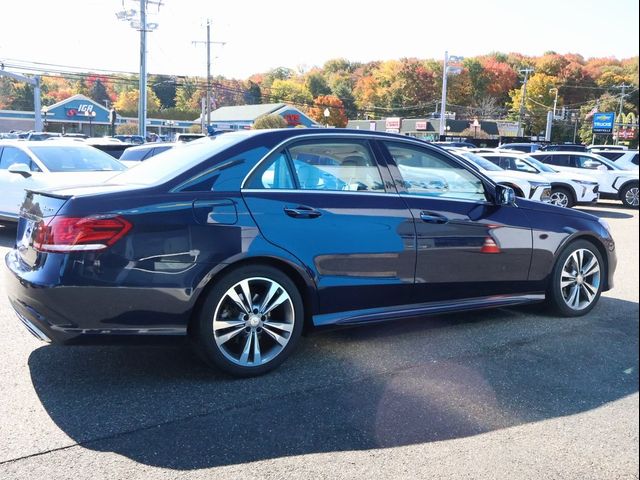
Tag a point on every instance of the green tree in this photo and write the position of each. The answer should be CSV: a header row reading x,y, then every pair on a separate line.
x,y
539,101
164,86
98,92
270,121
317,84
290,91
188,95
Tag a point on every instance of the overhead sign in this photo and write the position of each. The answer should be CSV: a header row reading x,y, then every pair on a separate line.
x,y
421,125
603,122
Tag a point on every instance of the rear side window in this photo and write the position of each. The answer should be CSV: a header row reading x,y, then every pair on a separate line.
x,y
610,155
273,174
634,160
558,160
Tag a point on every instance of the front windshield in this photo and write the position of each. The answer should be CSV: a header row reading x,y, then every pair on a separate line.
x,y
76,158
169,164
543,167
480,161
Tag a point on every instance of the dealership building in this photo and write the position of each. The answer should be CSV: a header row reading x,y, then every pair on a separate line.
x,y
80,114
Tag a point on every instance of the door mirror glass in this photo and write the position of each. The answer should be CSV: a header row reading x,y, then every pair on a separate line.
x,y
505,195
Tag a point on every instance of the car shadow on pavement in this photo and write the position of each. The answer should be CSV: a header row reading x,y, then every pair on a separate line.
x,y
605,213
402,383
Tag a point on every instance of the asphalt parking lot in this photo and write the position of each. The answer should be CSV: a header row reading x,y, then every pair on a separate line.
x,y
503,394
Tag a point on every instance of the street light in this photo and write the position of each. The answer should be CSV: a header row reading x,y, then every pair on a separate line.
x,y
45,110
90,115
475,126
327,114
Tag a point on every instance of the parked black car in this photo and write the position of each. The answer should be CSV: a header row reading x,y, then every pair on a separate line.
x,y
243,240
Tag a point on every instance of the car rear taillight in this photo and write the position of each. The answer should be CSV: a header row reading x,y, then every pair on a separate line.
x,y
68,234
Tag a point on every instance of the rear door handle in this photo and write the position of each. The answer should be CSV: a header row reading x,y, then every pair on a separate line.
x,y
302,211
431,217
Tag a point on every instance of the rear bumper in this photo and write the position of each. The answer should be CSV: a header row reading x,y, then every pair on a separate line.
x,y
74,314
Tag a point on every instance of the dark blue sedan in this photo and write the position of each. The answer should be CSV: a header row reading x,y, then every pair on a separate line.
x,y
244,240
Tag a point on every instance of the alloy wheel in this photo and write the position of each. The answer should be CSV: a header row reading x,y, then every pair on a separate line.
x,y
580,279
631,197
253,321
559,198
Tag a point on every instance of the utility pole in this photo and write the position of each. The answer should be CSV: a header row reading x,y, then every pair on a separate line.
x,y
443,104
621,108
208,43
138,20
523,99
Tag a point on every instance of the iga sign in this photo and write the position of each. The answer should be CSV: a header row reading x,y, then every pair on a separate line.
x,y
603,122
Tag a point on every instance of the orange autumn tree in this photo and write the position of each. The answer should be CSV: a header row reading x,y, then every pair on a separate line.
x,y
337,116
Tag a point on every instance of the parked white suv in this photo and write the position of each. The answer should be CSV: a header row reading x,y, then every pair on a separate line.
x,y
615,183
625,159
567,188
525,185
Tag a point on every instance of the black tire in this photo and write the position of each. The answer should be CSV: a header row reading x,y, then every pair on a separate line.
x,y
218,303
556,295
563,193
629,195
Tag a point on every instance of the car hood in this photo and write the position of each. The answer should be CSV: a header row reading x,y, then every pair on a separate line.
x,y
569,176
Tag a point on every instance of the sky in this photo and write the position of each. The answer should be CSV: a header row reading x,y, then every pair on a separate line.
x,y
262,35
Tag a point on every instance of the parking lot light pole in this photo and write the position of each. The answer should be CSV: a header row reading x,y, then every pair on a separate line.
x,y
443,102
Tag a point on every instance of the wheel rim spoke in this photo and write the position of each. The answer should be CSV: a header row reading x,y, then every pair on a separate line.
x,y
588,291
235,298
228,336
574,298
246,293
281,299
285,327
222,324
267,298
257,357
592,268
244,358
276,336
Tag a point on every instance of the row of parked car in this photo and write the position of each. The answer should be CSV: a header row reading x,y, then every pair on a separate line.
x,y
560,177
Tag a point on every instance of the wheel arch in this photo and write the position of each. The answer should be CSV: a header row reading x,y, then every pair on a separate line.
x,y
302,280
567,187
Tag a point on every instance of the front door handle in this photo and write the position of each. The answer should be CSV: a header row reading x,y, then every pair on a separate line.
x,y
431,217
302,211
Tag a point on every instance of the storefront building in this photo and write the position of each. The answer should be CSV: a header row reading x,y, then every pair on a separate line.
x,y
242,117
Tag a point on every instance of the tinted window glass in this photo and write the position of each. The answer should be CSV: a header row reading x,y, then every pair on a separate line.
x,y
429,174
634,160
274,173
559,160
610,155
588,162
76,159
11,155
335,165
135,154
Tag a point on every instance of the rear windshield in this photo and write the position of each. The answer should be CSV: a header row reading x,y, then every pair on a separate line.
x,y
159,169
76,158
135,154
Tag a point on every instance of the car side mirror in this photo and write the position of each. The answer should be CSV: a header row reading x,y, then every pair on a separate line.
x,y
21,169
505,195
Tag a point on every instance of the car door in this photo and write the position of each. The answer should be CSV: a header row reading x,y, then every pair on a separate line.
x,y
595,169
14,184
327,202
467,245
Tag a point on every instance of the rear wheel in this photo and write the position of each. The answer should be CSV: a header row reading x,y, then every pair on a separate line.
x,y
250,322
561,197
576,281
629,196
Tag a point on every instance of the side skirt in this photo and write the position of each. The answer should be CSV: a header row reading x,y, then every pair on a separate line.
x,y
358,317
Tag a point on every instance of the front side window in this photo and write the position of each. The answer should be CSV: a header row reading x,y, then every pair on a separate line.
x,y
522,166
427,173
559,160
589,163
11,155
335,165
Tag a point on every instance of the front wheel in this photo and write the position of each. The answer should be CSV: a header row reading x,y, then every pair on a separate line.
x,y
629,196
576,280
561,197
250,321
